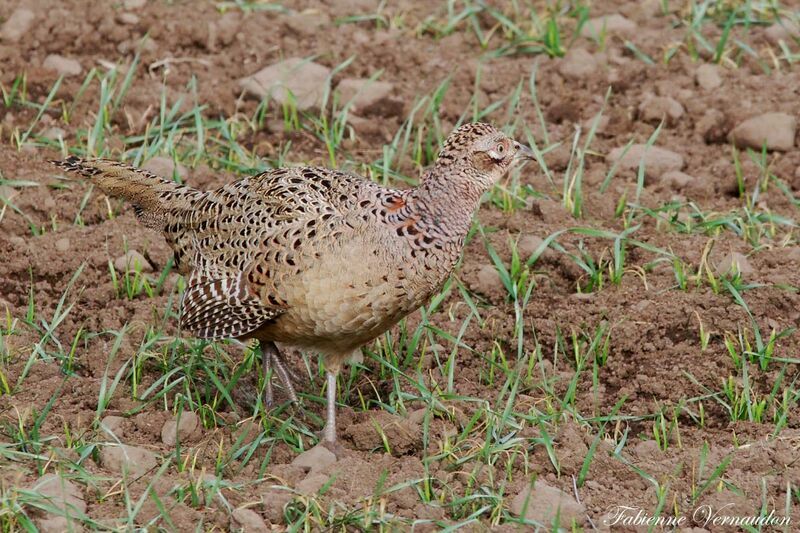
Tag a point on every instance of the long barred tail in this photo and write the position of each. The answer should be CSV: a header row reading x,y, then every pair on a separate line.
x,y
153,197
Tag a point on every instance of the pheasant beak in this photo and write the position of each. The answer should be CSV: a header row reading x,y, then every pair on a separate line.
x,y
523,152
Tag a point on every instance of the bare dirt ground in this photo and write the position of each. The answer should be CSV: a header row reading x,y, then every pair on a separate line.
x,y
621,331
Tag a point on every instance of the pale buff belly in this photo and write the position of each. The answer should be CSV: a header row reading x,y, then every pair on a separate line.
x,y
346,299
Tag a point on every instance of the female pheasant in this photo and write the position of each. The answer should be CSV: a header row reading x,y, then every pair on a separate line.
x,y
311,257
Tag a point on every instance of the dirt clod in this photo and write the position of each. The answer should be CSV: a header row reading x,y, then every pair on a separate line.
x,y
502,361
311,485
657,161
713,126
249,521
402,435
60,494
315,459
17,25
293,80
114,425
543,502
784,30
274,501
577,64
64,66
131,459
608,24
707,77
132,261
776,130
165,167
128,18
62,245
658,108
528,244
366,95
180,429
677,180
54,134
733,263
308,22
489,282
133,5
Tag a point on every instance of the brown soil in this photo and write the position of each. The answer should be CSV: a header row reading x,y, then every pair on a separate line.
x,y
655,362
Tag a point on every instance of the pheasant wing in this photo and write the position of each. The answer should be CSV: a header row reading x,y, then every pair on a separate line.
x,y
222,308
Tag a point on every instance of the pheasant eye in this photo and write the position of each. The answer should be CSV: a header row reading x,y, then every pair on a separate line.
x,y
500,148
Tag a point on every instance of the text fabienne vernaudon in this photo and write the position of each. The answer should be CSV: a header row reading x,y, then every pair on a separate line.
x,y
703,515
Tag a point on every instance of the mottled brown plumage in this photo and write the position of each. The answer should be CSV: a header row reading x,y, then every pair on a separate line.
x,y
315,258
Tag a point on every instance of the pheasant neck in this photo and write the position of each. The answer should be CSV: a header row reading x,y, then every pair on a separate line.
x,y
445,203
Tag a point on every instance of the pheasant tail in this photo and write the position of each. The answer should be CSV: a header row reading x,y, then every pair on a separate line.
x,y
153,197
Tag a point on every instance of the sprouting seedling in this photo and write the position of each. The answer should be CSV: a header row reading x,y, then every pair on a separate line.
x,y
572,195
661,432
704,334
705,269
132,282
18,92
701,483
331,124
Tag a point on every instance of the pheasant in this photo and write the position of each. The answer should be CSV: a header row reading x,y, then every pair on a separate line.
x,y
314,258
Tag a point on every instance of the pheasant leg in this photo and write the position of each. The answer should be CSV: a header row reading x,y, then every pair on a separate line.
x,y
266,364
329,433
284,375
272,361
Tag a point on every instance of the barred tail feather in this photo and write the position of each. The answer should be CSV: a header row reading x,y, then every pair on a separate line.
x,y
152,195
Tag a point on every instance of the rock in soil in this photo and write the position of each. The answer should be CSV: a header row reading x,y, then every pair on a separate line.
x,y
707,77
295,77
249,521
183,428
315,459
543,502
61,494
657,161
131,459
132,261
64,66
777,130
17,25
